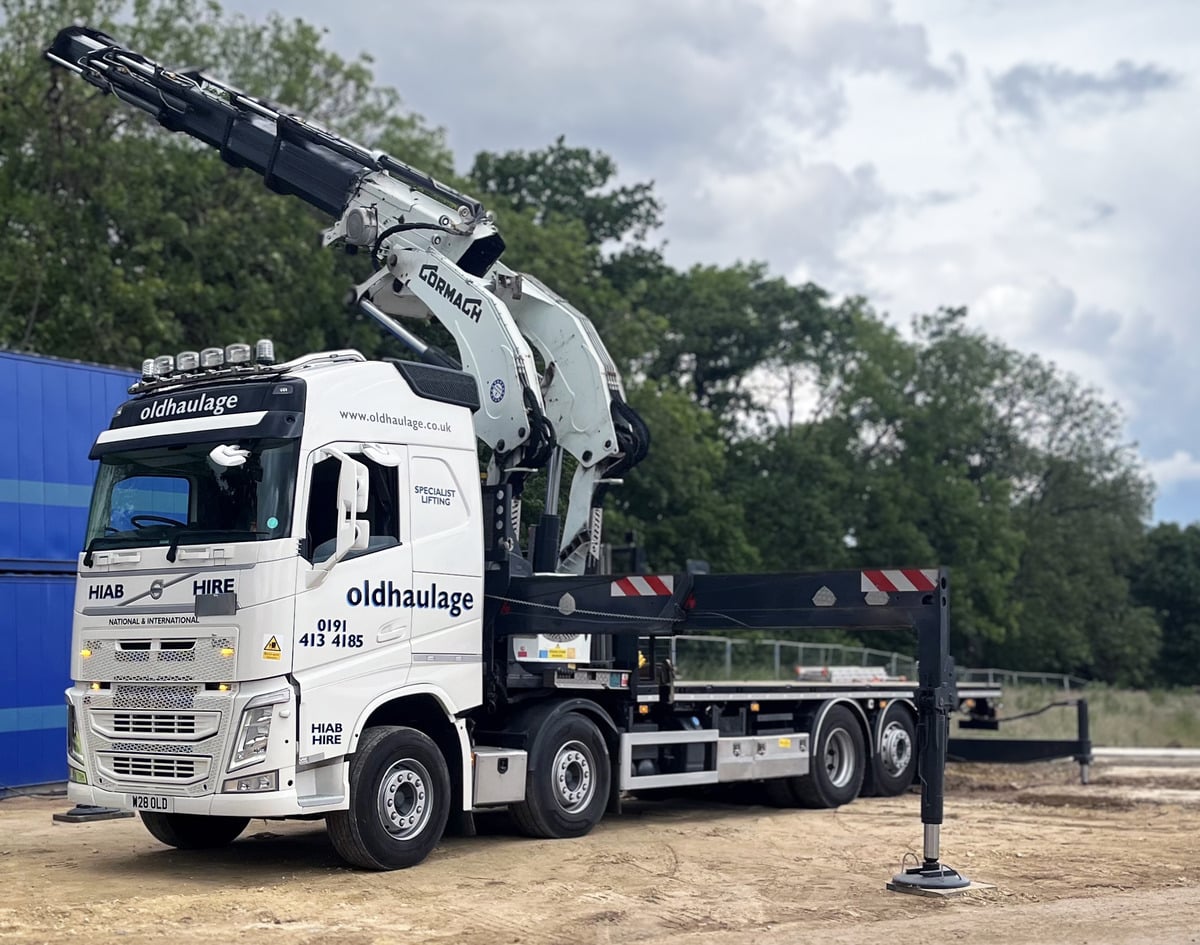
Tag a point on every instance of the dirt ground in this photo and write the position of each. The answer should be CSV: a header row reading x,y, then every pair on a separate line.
x,y
1115,862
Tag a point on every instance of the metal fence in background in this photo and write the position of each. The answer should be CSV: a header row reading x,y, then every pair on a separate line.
x,y
714,657
1009,677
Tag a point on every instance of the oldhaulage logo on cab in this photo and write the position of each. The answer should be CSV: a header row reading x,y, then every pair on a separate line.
x,y
387,594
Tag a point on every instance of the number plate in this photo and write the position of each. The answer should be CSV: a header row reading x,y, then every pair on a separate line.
x,y
151,802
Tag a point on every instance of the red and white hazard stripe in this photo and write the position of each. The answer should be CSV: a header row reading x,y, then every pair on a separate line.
x,y
902,579
644,585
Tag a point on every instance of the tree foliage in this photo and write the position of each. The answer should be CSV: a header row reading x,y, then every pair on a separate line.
x,y
791,430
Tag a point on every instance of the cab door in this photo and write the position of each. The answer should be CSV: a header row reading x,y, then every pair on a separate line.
x,y
352,639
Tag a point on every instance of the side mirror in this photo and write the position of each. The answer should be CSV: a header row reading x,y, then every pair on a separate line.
x,y
353,497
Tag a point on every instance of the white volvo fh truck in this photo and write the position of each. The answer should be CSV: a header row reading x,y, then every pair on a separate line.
x,y
299,598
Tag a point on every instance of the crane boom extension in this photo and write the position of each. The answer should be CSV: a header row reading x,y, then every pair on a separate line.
x,y
436,253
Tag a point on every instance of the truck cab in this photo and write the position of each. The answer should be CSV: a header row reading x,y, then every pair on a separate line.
x,y
270,550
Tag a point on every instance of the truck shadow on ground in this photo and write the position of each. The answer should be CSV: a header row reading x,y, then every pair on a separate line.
x,y
273,852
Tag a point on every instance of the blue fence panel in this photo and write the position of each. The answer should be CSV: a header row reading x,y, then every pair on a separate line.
x,y
54,409
35,640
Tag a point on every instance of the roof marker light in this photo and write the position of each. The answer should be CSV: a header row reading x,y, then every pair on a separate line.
x,y
187,360
164,364
237,354
212,357
264,351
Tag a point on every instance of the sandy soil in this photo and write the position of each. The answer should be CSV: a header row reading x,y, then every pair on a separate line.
x,y
1115,862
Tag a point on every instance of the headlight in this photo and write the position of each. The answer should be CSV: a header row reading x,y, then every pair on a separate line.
x,y
254,731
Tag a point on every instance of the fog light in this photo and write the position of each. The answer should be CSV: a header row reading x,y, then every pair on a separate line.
x,y
164,364
187,360
252,783
212,357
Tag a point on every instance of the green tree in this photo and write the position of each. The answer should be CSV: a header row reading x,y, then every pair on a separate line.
x,y
677,500
123,240
1166,581
565,183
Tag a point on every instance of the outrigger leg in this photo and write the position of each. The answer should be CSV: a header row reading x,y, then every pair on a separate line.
x,y
935,699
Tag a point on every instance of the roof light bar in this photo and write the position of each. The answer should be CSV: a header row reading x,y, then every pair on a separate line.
x,y
237,353
187,360
164,364
212,357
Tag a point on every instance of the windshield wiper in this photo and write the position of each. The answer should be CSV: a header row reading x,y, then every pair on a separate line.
x,y
214,534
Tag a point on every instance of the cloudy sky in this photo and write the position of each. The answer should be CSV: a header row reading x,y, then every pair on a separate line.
x,y
1035,160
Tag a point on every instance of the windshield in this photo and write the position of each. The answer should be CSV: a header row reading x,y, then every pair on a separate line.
x,y
178,494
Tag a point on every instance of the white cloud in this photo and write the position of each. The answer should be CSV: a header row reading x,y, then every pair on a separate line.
x,y
880,148
1181,466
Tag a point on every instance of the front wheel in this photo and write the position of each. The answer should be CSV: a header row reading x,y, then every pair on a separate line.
x,y
399,800
567,786
193,831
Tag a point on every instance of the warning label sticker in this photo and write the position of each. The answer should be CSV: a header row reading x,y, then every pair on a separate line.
x,y
271,649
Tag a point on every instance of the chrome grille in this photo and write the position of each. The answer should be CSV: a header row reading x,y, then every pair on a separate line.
x,y
162,659
164,748
151,766
154,697
153,723
157,738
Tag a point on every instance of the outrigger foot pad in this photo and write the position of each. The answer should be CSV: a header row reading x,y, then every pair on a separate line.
x,y
930,877
86,813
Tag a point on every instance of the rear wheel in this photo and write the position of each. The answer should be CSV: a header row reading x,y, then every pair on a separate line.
x,y
399,800
837,765
194,831
567,786
894,762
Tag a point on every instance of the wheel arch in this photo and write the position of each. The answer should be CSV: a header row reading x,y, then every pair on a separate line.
x,y
859,714
427,711
526,721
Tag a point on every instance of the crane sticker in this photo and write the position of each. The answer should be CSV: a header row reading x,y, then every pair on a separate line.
x,y
472,308
271,649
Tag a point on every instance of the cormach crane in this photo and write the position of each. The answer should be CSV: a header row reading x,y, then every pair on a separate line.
x,y
436,254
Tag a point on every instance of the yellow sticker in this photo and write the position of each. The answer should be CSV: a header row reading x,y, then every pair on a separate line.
x,y
570,652
785,743
272,651
558,653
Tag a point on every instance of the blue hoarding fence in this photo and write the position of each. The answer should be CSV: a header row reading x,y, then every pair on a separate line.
x,y
35,639
53,411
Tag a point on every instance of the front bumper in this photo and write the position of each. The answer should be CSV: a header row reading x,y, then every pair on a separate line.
x,y
265,804
176,741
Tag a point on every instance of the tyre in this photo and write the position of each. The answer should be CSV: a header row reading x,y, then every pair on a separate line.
x,y
568,781
837,766
194,831
894,761
399,800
